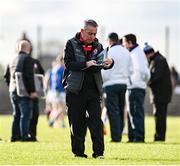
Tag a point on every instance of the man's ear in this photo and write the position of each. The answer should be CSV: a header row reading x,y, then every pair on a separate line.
x,y
82,35
130,43
82,31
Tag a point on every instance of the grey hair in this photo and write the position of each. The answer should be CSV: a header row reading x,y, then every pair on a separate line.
x,y
90,22
23,44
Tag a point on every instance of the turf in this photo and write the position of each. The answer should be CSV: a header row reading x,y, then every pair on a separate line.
x,y
54,148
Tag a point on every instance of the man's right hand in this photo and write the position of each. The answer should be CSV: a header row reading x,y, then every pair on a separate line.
x,y
90,63
33,95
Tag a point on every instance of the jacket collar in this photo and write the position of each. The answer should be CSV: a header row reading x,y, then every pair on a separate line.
x,y
115,44
136,45
22,52
77,37
155,55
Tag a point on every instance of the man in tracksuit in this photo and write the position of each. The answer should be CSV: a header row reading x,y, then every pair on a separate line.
x,y
136,89
84,89
161,88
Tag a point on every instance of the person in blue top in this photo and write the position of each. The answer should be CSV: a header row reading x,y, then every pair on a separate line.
x,y
56,93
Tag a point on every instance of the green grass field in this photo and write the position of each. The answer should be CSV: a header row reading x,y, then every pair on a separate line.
x,y
54,147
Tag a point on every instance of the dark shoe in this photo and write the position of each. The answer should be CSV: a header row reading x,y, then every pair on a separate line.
x,y
51,123
116,141
34,139
159,139
138,140
81,155
15,139
96,156
129,141
29,139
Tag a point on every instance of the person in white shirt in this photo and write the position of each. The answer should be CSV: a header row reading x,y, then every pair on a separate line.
x,y
136,89
115,84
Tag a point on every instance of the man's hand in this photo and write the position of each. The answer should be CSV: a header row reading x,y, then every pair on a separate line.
x,y
149,83
33,95
90,63
108,62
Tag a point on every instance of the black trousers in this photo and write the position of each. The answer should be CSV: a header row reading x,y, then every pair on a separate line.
x,y
34,119
160,115
84,111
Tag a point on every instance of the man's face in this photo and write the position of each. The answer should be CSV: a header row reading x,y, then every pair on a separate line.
x,y
109,42
126,44
149,55
89,34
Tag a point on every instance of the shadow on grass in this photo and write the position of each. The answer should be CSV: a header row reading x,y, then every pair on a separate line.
x,y
145,159
151,143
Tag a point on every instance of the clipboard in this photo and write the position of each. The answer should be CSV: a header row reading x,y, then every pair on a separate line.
x,y
21,90
94,68
39,85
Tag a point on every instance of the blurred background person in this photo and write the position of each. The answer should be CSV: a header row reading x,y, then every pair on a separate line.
x,y
104,113
136,89
48,104
125,129
115,84
22,105
56,94
174,77
11,83
38,69
161,90
25,65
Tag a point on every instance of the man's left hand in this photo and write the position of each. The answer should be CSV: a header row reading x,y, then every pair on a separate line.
x,y
108,62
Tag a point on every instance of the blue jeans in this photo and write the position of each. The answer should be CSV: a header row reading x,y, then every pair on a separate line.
x,y
136,128
22,113
16,134
115,102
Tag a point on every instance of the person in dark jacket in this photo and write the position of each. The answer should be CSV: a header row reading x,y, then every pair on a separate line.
x,y
161,88
22,105
38,69
26,66
83,84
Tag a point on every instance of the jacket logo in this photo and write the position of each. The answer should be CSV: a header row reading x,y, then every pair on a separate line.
x,y
95,51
